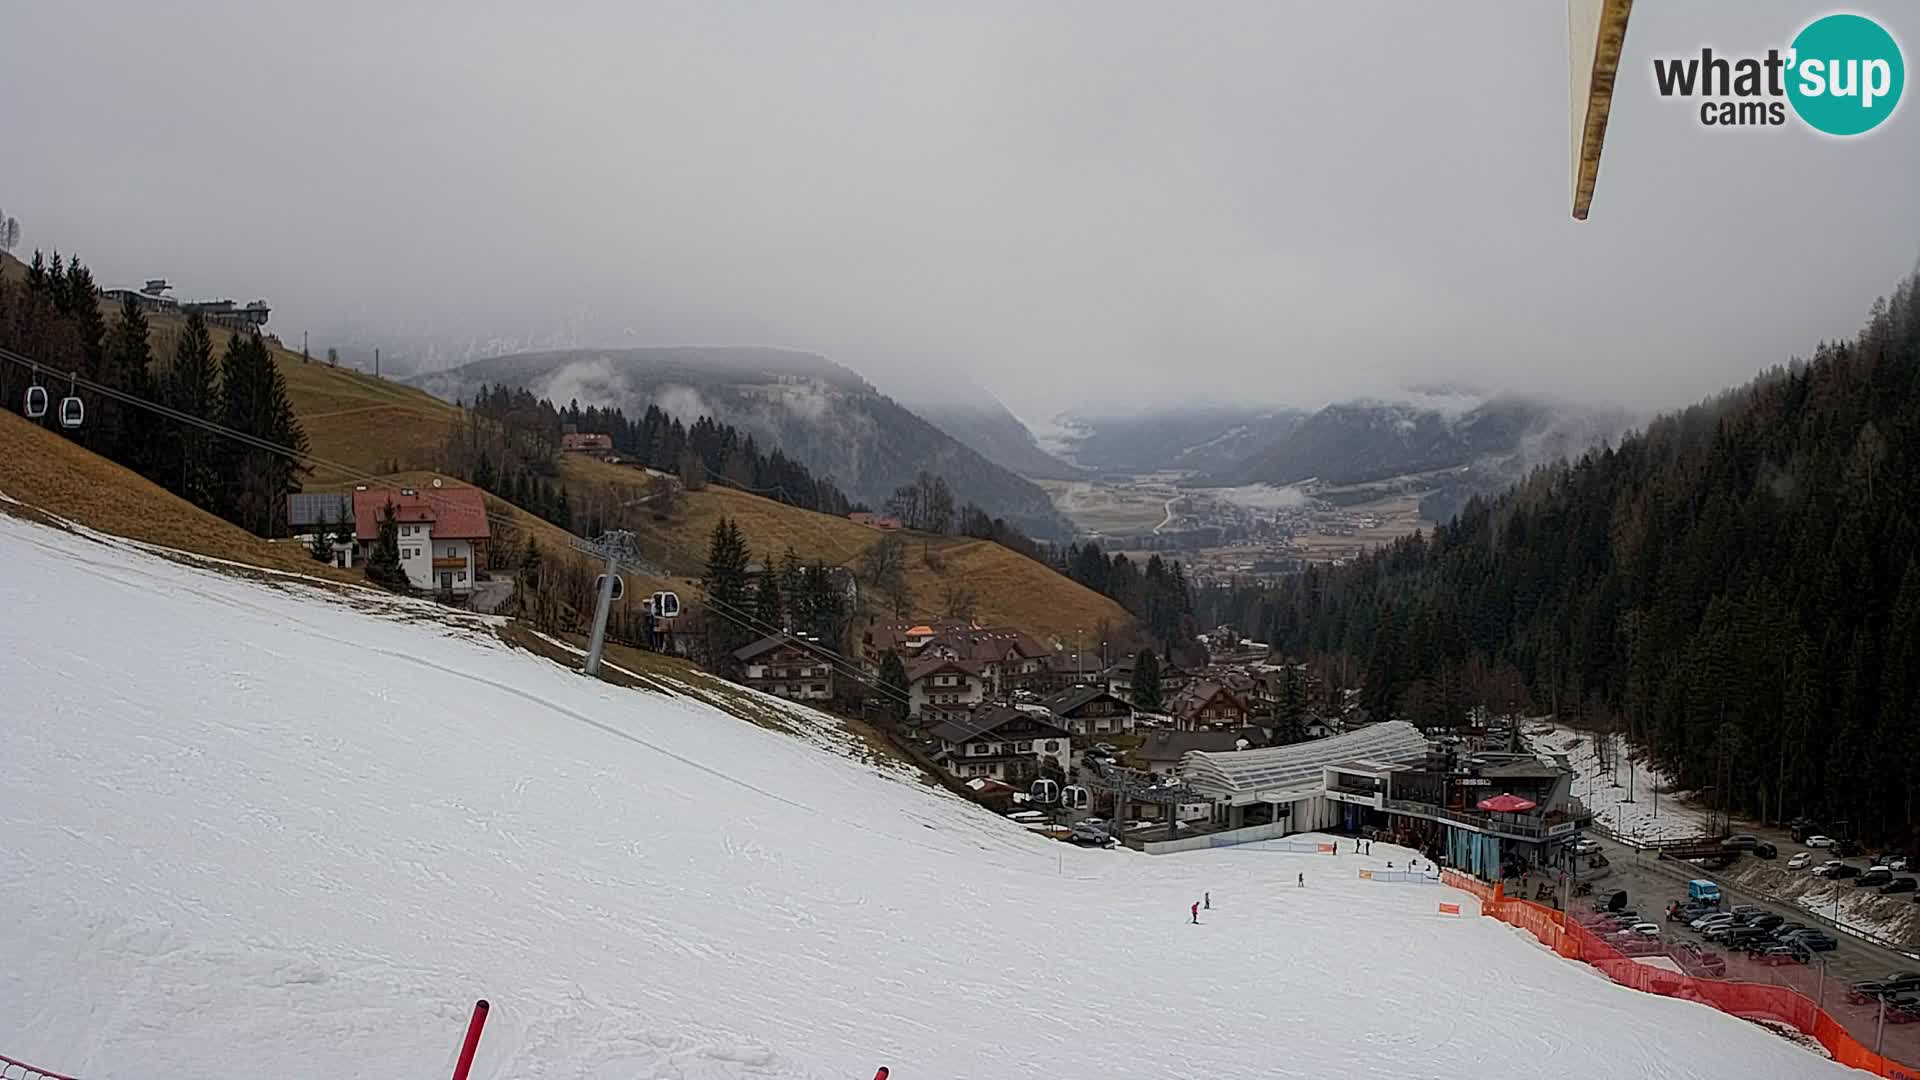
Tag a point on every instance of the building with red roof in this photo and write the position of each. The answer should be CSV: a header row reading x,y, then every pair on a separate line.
x,y
443,532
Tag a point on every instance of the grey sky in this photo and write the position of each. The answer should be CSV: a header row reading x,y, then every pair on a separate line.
x,y
1081,204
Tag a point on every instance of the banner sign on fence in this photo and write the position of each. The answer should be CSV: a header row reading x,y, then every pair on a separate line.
x,y
1449,909
1366,875
1326,849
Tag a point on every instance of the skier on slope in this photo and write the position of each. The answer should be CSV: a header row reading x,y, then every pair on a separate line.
x,y
1303,880
1206,900
1196,913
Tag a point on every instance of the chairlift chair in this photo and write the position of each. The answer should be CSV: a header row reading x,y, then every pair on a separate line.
x,y
619,585
1076,797
666,605
36,401
1044,792
73,411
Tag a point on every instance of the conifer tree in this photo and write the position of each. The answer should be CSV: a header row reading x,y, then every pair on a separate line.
x,y
256,481
383,561
189,386
1147,694
768,609
320,544
893,680
725,587
124,434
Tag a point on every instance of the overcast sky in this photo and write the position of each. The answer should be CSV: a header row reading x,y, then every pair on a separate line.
x,y
1076,204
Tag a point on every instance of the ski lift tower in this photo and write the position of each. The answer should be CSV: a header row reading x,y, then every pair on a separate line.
x,y
619,549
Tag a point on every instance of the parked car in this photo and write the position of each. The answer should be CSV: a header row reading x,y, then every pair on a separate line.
x,y
1708,922
1819,841
1775,955
1901,884
1106,749
1817,941
1765,850
1694,958
1092,832
1768,922
1786,930
1875,875
1585,847
1899,863
1800,860
1866,992
1843,871
1740,841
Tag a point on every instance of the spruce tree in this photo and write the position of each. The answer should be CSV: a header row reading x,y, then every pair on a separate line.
x,y
725,587
256,481
383,561
769,611
189,387
124,434
893,680
320,545
1147,695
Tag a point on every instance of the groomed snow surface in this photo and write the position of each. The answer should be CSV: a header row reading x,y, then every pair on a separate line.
x,y
254,831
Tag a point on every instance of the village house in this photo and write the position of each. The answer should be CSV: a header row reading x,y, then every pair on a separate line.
x,y
1089,711
442,533
585,442
309,513
936,686
1205,705
785,666
1000,743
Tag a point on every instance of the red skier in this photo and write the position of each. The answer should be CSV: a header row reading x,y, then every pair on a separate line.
x,y
1196,913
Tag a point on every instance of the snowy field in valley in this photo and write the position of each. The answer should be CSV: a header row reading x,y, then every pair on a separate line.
x,y
1605,789
255,831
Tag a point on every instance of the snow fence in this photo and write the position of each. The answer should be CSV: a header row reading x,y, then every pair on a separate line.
x,y
1750,1001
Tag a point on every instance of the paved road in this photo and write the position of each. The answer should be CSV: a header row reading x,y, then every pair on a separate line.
x,y
1650,883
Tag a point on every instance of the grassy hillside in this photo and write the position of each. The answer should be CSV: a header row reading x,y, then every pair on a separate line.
x,y
60,477
366,423
361,425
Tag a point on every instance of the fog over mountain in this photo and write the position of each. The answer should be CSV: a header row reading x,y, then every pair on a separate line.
x,y
1092,204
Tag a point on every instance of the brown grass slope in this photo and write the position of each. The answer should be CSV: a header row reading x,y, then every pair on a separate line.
x,y
50,473
366,423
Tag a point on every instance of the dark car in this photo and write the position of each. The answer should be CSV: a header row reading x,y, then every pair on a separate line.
x,y
1901,884
1787,930
1775,955
1862,993
1844,870
1740,842
1765,850
1817,941
1879,875
1769,921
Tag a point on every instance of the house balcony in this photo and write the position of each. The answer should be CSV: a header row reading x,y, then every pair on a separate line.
x,y
449,564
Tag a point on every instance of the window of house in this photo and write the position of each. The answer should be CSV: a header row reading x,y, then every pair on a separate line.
x,y
1024,748
1053,745
978,749
460,575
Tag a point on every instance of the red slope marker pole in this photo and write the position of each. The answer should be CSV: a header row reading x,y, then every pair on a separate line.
x,y
882,1074
473,1040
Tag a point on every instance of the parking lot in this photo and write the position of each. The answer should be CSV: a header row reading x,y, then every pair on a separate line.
x,y
1650,883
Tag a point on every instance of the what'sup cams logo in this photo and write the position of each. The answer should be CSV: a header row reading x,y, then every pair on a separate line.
x,y
1842,75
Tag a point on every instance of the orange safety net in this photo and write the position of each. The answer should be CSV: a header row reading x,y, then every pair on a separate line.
x,y
1750,1000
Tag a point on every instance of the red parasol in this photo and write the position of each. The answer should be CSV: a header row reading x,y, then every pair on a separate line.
x,y
1507,804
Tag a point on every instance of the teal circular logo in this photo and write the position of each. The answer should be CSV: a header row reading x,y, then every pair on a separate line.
x,y
1846,74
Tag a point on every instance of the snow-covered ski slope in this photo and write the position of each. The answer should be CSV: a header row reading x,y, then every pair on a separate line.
x,y
251,831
